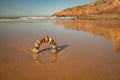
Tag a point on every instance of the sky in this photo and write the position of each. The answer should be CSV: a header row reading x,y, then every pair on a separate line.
x,y
11,8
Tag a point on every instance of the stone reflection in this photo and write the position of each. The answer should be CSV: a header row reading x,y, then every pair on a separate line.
x,y
107,29
45,58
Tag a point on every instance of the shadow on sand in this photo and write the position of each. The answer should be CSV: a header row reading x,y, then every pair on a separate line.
x,y
60,48
49,57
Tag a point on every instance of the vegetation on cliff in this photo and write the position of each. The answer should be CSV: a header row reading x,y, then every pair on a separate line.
x,y
101,9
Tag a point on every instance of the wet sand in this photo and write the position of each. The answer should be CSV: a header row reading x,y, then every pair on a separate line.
x,y
88,50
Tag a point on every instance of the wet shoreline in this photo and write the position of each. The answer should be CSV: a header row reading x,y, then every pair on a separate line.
x,y
87,50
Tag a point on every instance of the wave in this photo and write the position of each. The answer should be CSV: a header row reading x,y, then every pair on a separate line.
x,y
30,18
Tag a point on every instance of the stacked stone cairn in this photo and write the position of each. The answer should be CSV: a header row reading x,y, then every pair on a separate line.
x,y
46,39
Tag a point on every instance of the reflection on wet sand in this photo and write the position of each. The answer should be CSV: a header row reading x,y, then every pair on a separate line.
x,y
107,29
45,58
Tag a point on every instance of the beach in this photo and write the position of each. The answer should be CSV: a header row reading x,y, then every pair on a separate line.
x,y
87,50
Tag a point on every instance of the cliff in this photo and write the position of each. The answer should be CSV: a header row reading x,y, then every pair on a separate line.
x,y
102,9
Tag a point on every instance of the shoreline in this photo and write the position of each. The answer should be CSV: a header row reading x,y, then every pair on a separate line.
x,y
100,17
81,54
96,17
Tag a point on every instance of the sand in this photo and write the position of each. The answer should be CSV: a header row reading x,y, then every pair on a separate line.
x,y
87,50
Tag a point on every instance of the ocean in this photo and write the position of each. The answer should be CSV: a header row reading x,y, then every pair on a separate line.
x,y
33,18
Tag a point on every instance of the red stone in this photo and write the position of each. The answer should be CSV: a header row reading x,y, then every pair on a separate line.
x,y
46,39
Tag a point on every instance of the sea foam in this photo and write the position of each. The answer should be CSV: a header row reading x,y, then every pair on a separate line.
x,y
30,18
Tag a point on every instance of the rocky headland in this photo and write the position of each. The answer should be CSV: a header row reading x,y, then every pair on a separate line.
x,y
99,10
